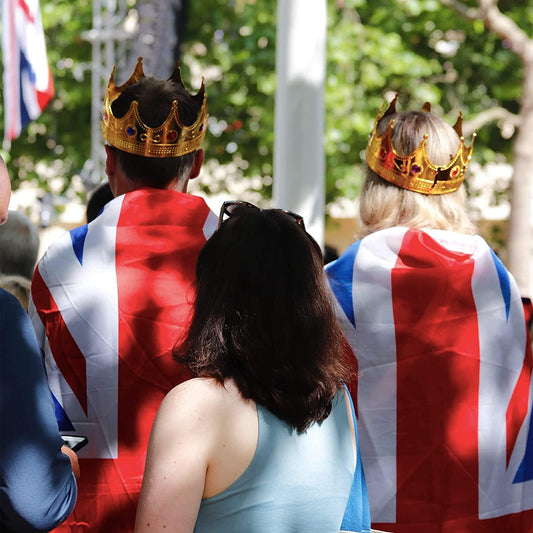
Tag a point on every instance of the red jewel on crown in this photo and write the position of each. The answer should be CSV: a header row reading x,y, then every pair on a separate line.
x,y
172,136
454,172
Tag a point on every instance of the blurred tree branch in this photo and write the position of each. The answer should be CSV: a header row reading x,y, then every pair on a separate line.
x,y
517,40
488,116
497,22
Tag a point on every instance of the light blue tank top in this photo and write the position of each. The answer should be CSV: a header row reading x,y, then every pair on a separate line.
x,y
296,482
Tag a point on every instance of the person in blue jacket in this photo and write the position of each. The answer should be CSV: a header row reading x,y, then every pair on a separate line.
x,y
37,483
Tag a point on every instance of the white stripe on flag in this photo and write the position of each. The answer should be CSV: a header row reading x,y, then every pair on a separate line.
x,y
92,303
377,430
499,372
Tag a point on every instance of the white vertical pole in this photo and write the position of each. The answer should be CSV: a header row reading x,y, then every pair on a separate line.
x,y
299,111
97,172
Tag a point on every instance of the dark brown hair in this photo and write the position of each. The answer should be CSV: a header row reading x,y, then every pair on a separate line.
x,y
263,316
155,99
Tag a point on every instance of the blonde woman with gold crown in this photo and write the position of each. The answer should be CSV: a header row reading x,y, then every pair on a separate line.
x,y
110,298
436,325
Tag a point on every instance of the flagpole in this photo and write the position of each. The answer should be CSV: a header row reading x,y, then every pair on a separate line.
x,y
299,161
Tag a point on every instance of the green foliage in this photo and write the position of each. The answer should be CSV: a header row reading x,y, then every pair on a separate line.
x,y
238,39
418,48
61,137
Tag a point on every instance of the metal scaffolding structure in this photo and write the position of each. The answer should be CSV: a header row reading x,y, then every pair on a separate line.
x,y
110,41
121,32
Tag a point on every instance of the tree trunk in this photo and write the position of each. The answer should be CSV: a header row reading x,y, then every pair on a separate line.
x,y
520,243
157,40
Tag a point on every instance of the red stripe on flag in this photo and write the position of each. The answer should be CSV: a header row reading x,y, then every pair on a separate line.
x,y
437,385
351,358
67,355
43,97
518,406
155,270
26,10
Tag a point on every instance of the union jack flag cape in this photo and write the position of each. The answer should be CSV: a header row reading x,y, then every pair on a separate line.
x,y
28,85
109,301
444,385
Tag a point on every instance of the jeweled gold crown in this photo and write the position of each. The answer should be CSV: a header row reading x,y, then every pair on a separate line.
x,y
415,171
131,134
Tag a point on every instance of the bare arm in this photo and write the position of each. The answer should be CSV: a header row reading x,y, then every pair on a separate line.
x,y
177,461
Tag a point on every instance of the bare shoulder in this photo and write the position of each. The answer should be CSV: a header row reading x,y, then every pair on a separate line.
x,y
200,389
201,398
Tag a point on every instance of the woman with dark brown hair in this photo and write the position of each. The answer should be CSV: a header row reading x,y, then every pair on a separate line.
x,y
263,440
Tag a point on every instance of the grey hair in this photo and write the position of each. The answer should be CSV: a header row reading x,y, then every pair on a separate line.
x,y
19,245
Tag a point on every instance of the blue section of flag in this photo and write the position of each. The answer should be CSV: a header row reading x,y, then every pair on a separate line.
x,y
357,514
340,274
63,420
25,69
525,470
505,282
77,235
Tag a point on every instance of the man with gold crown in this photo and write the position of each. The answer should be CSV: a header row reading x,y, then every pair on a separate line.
x,y
436,324
111,298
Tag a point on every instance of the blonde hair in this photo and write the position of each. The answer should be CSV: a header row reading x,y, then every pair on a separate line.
x,y
384,205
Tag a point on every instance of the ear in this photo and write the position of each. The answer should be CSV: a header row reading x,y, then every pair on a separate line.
x,y
111,168
111,160
197,163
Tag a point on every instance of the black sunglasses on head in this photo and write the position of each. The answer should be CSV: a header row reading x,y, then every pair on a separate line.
x,y
228,208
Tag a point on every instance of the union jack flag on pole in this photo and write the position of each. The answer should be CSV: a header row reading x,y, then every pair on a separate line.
x,y
444,390
28,85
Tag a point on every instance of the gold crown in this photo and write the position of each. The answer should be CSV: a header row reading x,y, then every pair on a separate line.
x,y
415,171
132,135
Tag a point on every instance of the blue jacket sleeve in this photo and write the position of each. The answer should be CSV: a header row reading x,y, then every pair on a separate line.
x,y
37,487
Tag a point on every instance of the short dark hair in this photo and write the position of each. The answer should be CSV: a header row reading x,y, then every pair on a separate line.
x,y
263,316
155,99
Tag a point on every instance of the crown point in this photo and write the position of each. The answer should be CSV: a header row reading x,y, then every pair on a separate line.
x,y
458,126
391,108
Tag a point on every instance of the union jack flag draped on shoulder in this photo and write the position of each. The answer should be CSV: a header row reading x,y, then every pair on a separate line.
x,y
444,395
109,301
